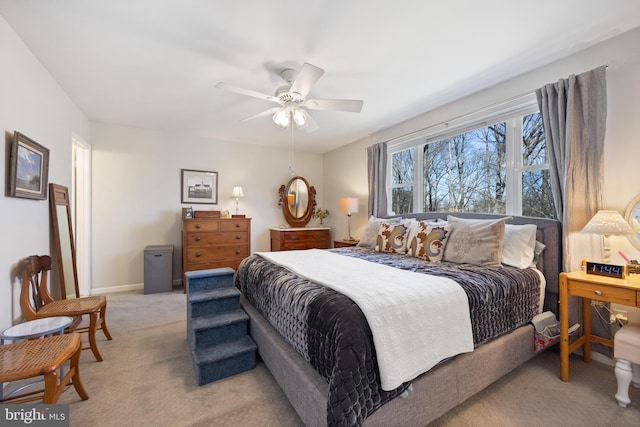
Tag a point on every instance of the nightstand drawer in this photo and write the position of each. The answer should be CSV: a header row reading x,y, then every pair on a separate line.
x,y
305,235
613,294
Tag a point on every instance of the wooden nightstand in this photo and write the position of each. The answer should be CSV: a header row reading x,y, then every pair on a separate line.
x,y
344,243
590,287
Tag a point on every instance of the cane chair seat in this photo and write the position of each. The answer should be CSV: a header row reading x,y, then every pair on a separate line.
x,y
36,303
44,356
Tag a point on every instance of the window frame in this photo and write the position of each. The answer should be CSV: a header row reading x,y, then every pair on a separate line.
x,y
511,111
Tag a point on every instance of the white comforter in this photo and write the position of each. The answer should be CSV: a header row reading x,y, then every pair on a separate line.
x,y
417,320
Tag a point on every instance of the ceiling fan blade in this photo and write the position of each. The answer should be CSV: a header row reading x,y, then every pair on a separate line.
x,y
247,92
265,113
307,77
348,105
310,124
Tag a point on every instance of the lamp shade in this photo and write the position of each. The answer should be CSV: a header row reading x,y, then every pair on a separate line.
x,y
608,223
237,192
349,205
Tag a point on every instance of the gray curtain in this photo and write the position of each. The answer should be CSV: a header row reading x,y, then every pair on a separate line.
x,y
377,171
574,113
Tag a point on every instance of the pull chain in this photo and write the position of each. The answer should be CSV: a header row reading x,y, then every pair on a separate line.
x,y
291,149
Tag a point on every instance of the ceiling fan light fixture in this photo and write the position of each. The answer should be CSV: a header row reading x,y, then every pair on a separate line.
x,y
282,118
299,117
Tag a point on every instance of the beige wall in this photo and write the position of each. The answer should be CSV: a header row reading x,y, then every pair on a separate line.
x,y
32,103
136,194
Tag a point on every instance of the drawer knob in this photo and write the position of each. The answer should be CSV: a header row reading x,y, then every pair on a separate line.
x,y
198,225
198,254
237,252
237,225
597,292
238,237
198,238
294,237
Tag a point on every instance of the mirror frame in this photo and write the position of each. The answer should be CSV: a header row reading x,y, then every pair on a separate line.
x,y
311,203
633,207
59,197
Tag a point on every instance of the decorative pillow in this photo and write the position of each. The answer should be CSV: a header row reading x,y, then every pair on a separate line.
x,y
393,238
429,240
475,241
519,245
370,235
537,251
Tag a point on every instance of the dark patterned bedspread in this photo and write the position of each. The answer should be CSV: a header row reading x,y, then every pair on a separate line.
x,y
329,331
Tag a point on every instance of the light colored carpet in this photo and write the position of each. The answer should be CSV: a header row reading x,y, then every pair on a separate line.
x,y
147,378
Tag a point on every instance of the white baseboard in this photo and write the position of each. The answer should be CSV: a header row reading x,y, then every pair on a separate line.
x,y
127,288
114,289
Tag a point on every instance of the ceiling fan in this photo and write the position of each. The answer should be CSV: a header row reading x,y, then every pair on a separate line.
x,y
293,101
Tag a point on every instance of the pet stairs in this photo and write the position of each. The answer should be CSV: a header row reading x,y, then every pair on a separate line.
x,y
217,326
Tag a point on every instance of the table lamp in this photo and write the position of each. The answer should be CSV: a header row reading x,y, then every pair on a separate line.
x,y
349,205
607,223
237,193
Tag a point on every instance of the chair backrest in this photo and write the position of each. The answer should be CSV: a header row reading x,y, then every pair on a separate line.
x,y
34,293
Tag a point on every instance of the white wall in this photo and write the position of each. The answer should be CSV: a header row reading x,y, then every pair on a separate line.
x,y
32,103
622,144
136,193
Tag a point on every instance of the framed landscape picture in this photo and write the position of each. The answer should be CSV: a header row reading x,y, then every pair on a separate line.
x,y
29,168
199,187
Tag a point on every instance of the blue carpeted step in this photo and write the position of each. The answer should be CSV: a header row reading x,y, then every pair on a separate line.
x,y
209,279
224,360
213,301
209,330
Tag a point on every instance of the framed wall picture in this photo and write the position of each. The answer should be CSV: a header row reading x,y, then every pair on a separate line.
x,y
199,187
29,168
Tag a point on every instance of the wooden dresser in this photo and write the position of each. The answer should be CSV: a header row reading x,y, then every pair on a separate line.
x,y
214,243
286,239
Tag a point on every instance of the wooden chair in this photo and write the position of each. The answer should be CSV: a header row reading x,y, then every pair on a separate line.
x,y
44,356
36,303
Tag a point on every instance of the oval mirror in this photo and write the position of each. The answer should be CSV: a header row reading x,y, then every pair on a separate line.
x,y
632,215
298,199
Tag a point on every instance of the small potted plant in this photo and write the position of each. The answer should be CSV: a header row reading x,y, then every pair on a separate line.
x,y
321,214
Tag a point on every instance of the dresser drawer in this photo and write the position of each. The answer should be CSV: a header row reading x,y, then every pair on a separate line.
x,y
201,225
234,225
217,238
306,244
200,254
601,291
207,265
304,235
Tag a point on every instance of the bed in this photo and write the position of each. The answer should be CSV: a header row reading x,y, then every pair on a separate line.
x,y
329,382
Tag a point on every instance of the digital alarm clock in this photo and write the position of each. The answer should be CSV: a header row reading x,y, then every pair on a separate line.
x,y
609,270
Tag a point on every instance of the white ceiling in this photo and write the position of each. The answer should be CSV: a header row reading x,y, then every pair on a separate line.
x,y
154,63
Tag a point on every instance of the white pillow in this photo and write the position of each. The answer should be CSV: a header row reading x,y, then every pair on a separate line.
x,y
519,245
475,241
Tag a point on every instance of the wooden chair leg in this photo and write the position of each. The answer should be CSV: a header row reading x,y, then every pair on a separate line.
x,y
50,396
103,322
93,325
74,371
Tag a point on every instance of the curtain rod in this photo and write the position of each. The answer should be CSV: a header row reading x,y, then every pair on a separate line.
x,y
464,116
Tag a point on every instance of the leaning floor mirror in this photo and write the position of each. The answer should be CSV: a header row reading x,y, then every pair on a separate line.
x,y
63,240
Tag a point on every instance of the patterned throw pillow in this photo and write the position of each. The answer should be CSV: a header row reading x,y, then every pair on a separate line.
x,y
369,237
429,241
475,241
392,238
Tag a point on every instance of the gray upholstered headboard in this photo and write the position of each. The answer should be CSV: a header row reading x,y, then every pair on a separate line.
x,y
549,232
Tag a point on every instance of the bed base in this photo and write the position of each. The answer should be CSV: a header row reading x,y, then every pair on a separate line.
x,y
434,393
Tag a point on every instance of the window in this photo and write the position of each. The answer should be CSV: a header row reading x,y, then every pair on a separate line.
x,y
496,165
